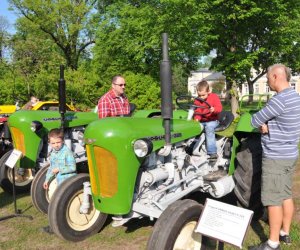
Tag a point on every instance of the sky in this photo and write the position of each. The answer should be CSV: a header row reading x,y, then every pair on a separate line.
x,y
9,15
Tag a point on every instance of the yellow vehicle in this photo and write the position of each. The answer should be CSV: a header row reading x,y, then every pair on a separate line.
x,y
7,110
51,105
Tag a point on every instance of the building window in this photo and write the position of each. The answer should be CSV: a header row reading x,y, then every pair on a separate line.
x,y
256,89
246,89
267,89
293,85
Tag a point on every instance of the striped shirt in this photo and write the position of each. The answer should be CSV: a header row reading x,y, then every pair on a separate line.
x,y
111,105
282,115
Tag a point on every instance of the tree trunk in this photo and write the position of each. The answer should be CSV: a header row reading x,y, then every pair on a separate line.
x,y
234,99
251,91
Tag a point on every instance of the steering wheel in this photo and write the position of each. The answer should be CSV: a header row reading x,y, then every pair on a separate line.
x,y
186,102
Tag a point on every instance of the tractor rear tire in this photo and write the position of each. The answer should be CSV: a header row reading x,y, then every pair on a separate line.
x,y
22,182
174,229
64,216
41,197
247,175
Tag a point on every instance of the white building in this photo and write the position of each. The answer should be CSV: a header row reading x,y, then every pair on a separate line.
x,y
259,87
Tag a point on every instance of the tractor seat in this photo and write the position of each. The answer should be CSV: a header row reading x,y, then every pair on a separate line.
x,y
225,119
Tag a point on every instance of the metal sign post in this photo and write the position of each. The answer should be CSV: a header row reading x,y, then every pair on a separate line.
x,y
11,163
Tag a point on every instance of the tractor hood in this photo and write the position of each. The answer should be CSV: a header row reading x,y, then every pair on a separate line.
x,y
113,165
28,141
50,119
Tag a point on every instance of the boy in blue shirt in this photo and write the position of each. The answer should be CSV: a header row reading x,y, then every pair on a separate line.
x,y
62,161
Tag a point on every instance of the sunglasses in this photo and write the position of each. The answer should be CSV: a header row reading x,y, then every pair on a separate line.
x,y
121,85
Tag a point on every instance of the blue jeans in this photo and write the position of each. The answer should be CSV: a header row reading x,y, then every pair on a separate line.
x,y
210,138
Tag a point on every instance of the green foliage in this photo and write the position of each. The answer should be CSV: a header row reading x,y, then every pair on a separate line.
x,y
129,36
218,87
249,35
246,35
179,80
69,24
142,90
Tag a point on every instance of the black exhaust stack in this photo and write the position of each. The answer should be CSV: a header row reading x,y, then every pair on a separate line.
x,y
62,96
166,89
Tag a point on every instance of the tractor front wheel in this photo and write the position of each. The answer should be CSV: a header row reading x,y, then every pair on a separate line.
x,y
41,197
64,216
174,229
23,179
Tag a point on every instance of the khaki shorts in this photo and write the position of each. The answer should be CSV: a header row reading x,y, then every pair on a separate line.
x,y
276,181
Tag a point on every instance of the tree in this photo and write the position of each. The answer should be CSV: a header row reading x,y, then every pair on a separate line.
x,y
248,36
32,52
179,80
4,36
69,23
129,35
142,90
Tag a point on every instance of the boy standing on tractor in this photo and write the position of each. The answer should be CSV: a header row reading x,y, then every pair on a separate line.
x,y
208,116
62,161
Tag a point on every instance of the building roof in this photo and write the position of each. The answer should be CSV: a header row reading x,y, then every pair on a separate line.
x,y
217,76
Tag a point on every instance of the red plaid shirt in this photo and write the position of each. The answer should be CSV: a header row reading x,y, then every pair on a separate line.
x,y
111,105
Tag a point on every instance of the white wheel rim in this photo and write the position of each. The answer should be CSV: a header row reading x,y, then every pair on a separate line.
x,y
52,187
75,219
187,238
20,180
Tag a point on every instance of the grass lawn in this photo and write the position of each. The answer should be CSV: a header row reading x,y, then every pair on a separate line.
x,y
23,233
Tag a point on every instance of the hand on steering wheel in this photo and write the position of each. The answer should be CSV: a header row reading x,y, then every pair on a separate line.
x,y
187,102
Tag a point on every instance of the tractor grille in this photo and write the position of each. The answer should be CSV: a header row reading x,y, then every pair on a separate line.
x,y
103,171
18,139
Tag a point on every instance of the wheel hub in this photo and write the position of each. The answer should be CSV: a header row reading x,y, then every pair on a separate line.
x,y
187,238
79,221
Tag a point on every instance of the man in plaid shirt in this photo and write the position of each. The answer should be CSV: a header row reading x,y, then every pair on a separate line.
x,y
114,102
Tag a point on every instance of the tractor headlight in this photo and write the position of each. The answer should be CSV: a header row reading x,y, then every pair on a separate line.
x,y
80,137
142,147
36,126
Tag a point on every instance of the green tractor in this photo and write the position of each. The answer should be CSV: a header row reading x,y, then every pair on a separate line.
x,y
147,165
29,130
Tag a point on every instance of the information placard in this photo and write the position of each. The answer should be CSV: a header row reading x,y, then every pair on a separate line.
x,y
13,158
224,222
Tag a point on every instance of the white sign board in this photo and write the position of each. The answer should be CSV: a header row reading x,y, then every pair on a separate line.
x,y
13,158
224,222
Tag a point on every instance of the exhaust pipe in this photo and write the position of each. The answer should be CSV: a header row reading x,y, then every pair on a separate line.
x,y
166,95
62,96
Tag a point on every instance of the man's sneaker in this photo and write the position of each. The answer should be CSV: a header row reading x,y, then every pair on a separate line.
x,y
286,239
264,246
119,221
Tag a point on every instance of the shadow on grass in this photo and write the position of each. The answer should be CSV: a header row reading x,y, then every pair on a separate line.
x,y
136,224
7,198
259,230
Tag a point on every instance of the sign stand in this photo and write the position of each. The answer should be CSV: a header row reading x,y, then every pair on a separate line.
x,y
11,162
224,222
